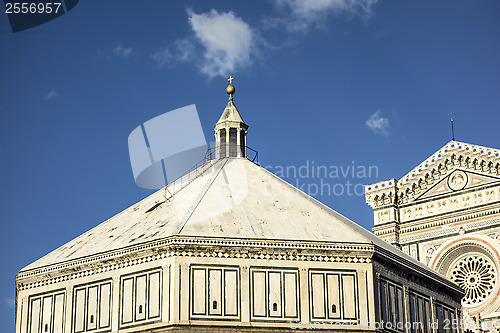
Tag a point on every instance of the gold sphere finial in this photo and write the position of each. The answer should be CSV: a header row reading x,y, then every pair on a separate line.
x,y
230,88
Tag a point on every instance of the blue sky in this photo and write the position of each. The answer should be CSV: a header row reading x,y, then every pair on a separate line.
x,y
339,84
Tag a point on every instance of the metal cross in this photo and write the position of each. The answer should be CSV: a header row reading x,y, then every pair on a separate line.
x,y
452,130
230,79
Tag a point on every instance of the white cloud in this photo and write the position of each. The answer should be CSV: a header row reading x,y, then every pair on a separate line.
x,y
10,302
228,42
121,51
221,43
378,124
304,13
162,57
182,51
50,95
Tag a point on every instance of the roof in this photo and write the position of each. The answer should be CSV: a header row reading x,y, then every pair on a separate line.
x,y
230,113
230,198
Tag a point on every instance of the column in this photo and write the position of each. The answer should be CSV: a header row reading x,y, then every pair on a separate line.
x,y
376,299
406,296
217,144
238,150
458,317
434,325
227,148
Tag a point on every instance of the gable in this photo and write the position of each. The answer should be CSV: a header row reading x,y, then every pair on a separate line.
x,y
458,180
455,167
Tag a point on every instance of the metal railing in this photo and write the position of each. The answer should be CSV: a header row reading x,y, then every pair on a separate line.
x,y
214,154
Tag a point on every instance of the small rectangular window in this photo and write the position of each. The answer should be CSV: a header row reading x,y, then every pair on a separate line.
x,y
42,312
274,294
140,295
92,307
214,292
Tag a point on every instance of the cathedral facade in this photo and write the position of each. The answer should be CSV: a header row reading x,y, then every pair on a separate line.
x,y
231,247
446,214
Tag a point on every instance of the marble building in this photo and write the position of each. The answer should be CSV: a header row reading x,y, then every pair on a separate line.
x,y
446,214
231,247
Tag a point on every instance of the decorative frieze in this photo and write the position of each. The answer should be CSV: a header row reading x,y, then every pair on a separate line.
x,y
449,205
445,232
331,255
209,245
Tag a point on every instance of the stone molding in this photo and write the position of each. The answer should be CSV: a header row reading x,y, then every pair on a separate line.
x,y
469,226
180,247
449,247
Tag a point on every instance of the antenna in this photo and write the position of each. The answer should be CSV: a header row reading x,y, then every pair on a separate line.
x,y
452,130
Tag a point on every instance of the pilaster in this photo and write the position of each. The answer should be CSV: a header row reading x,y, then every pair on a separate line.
x,y
406,302
115,304
245,295
304,296
184,293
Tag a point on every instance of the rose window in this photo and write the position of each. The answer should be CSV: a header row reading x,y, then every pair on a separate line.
x,y
476,275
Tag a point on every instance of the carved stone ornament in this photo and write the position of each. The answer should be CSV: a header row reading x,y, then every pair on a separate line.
x,y
457,180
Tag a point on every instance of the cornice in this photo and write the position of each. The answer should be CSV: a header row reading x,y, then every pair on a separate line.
x,y
195,247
